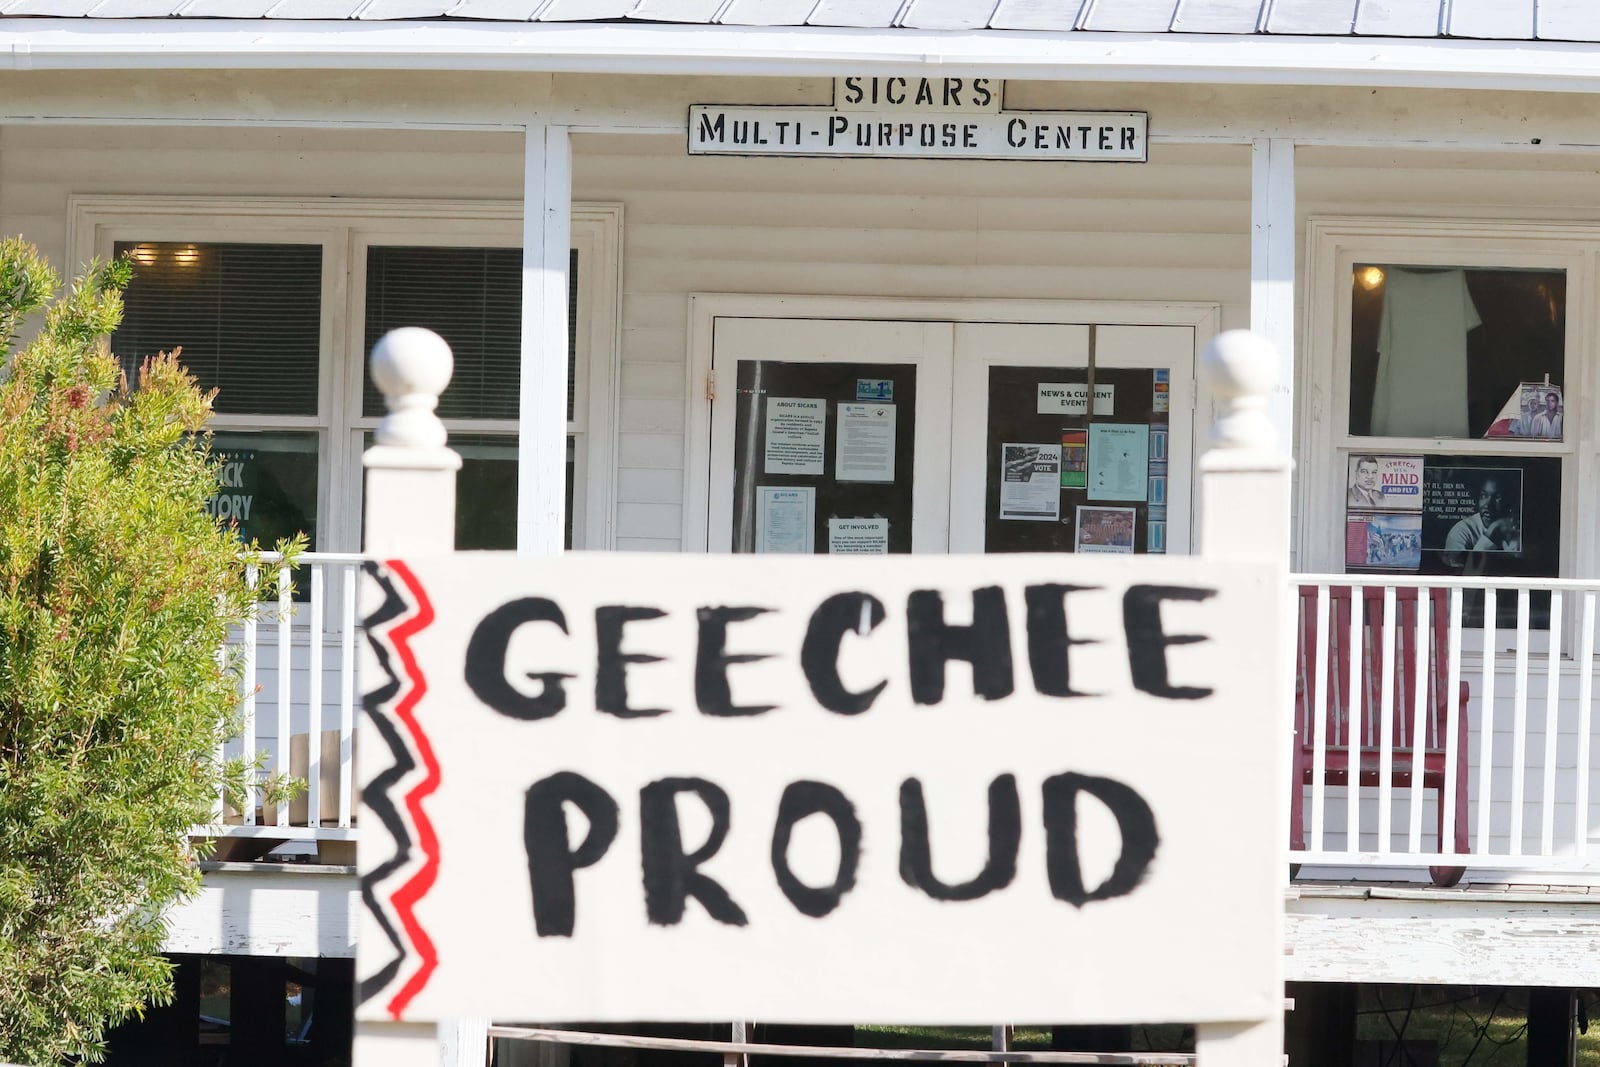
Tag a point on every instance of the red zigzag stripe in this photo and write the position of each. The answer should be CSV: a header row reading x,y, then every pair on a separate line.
x,y
406,897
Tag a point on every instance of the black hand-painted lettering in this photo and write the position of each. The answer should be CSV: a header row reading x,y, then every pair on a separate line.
x,y
711,691
551,859
801,800
819,653
1147,641
1136,825
1048,639
486,661
671,876
986,644
1005,836
610,676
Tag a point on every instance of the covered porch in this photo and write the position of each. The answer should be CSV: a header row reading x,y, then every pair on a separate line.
x,y
1514,762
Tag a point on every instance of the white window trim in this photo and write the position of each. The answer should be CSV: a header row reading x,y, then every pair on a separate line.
x,y
1333,247
345,228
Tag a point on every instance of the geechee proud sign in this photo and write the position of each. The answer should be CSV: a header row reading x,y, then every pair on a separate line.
x,y
611,787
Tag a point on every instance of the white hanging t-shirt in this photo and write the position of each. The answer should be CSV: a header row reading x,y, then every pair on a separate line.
x,y
1422,355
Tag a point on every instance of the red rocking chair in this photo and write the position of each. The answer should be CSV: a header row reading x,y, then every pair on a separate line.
x,y
1359,738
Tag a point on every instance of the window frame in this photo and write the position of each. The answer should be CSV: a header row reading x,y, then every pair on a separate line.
x,y
345,229
1333,248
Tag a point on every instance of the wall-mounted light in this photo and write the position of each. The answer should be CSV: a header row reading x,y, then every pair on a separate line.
x,y
1369,278
145,255
186,256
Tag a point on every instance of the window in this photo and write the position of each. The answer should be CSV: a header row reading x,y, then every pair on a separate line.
x,y
247,321
276,305
1450,448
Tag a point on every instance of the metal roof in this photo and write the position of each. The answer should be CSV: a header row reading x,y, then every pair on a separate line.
x,y
1495,20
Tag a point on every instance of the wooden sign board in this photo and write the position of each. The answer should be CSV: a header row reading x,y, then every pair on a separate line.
x,y
956,789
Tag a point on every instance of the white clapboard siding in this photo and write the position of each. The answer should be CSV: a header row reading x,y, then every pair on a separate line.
x,y
1504,185
41,165
1175,229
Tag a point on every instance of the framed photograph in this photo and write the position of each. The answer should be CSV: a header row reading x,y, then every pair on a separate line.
x,y
1383,483
1535,410
1472,509
1379,541
1106,530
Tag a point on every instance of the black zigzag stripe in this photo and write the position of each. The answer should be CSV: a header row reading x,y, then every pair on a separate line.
x,y
376,794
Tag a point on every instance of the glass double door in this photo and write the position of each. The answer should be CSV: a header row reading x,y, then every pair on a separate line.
x,y
868,436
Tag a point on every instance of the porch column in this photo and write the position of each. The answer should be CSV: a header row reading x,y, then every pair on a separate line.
x,y
542,414
1272,232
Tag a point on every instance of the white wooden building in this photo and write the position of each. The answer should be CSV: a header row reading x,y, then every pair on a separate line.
x,y
576,194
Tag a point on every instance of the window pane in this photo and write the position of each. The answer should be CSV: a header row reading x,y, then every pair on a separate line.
x,y
572,340
267,485
472,297
486,491
1471,516
818,469
247,316
1068,504
1453,352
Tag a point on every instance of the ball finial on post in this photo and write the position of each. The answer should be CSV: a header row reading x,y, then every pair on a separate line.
x,y
411,474
1241,369
411,366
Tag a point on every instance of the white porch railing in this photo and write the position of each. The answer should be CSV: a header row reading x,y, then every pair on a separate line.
x,y
1503,782
1513,771
297,664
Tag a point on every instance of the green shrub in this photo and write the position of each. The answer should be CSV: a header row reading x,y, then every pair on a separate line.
x,y
116,593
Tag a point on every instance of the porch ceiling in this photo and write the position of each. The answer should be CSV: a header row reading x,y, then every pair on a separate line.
x,y
1495,20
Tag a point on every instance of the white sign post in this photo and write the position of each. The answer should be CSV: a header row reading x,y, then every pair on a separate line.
x,y
1027,788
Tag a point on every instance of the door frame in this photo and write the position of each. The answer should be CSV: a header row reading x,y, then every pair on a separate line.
x,y
706,308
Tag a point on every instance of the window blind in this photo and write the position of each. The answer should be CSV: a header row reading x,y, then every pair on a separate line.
x,y
247,316
472,297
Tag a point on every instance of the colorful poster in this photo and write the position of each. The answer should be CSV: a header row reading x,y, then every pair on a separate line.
x,y
1106,530
786,519
1030,482
874,388
1534,410
797,428
1383,483
1119,458
866,443
1384,541
1074,459
1158,444
1472,509
1156,536
1072,398
858,537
